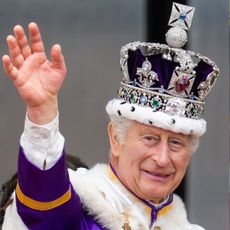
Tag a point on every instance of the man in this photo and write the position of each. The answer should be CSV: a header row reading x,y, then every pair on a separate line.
x,y
154,129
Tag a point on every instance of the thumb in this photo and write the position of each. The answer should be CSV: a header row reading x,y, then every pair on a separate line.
x,y
57,58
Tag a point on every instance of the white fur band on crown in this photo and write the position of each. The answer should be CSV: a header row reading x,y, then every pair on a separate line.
x,y
162,120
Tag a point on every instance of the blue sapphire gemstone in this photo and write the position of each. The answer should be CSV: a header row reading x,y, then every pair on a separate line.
x,y
192,96
182,17
143,99
126,94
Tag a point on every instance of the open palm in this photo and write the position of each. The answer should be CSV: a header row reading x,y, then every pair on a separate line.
x,y
37,79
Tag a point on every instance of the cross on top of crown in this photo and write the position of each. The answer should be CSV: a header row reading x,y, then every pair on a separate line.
x,y
181,16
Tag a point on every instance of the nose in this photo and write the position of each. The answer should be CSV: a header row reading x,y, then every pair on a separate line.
x,y
161,154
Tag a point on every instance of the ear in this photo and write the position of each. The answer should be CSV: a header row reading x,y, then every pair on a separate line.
x,y
114,142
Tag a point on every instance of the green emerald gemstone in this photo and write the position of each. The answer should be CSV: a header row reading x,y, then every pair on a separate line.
x,y
155,103
191,110
132,96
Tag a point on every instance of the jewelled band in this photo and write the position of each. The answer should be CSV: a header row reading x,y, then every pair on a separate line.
x,y
161,102
42,206
175,99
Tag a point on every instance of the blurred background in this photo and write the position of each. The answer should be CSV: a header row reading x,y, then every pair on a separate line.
x,y
91,34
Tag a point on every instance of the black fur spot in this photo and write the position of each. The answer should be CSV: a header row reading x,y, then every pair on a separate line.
x,y
119,112
123,102
132,109
150,122
173,121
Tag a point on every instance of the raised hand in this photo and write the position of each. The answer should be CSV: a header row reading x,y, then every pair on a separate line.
x,y
37,79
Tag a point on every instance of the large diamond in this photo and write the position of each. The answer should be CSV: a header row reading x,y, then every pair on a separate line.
x,y
175,107
146,66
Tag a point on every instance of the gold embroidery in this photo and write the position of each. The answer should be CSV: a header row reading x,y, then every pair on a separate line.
x,y
126,226
164,210
157,228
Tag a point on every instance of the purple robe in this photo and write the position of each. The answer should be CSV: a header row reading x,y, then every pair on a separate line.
x,y
37,187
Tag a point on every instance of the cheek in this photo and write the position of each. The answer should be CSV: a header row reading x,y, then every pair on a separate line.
x,y
134,155
138,152
181,161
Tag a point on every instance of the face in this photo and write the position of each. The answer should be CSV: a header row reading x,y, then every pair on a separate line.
x,y
151,162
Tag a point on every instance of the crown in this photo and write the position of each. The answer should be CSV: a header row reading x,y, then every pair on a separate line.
x,y
166,78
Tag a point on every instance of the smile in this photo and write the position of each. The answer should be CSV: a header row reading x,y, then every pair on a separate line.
x,y
159,177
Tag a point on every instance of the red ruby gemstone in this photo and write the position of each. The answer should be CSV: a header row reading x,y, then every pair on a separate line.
x,y
182,84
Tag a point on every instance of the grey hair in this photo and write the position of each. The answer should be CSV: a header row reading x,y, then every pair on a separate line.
x,y
194,143
121,125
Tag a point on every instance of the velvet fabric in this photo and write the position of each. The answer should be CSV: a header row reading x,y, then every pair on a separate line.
x,y
45,186
164,69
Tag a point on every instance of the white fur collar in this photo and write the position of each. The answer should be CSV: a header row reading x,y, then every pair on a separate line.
x,y
12,220
108,202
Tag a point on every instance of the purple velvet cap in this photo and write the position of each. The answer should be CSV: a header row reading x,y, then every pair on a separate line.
x,y
164,69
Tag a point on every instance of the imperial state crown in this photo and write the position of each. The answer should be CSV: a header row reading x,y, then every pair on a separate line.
x,y
165,85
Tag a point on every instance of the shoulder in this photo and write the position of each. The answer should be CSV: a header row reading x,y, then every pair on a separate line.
x,y
195,227
97,171
85,174
180,211
87,181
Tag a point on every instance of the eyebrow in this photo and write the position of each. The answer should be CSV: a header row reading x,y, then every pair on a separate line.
x,y
147,130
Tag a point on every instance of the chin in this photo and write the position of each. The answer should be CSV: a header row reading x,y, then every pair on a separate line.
x,y
153,195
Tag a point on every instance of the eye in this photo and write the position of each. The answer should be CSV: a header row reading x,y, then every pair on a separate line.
x,y
150,140
176,144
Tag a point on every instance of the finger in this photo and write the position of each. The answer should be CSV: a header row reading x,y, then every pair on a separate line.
x,y
14,51
9,68
36,43
57,59
22,41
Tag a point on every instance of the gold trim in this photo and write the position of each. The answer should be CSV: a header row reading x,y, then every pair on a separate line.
x,y
42,206
164,210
